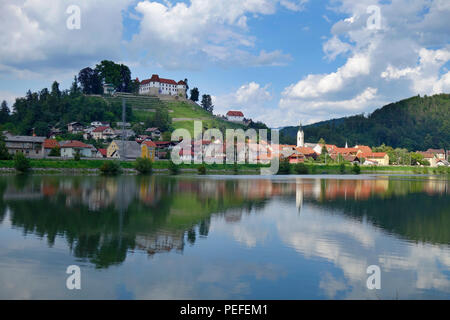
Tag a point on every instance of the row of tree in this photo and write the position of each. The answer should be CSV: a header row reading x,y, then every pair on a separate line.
x,y
206,102
106,72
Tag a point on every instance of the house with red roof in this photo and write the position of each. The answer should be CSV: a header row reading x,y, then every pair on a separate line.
x,y
70,149
160,86
103,133
379,158
49,145
235,116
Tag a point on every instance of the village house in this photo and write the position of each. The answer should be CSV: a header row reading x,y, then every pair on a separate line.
x,y
378,158
108,89
99,123
103,133
430,157
148,150
32,147
49,145
128,133
160,86
235,116
101,153
439,153
70,149
75,127
154,133
124,150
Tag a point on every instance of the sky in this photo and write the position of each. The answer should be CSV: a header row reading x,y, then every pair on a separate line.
x,y
279,61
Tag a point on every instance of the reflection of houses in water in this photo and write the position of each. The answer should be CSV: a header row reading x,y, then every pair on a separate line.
x,y
162,241
299,193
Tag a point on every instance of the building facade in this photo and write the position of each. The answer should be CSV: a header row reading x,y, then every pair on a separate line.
x,y
160,86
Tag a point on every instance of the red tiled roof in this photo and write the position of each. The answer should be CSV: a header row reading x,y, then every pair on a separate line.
x,y
103,152
442,151
305,150
373,155
149,143
346,150
364,149
75,144
100,129
156,78
181,82
50,144
426,154
235,114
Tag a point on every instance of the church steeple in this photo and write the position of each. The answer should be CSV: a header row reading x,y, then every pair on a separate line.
x,y
300,136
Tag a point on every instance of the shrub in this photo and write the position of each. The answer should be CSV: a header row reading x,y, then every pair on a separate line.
x,y
342,168
55,152
285,167
21,163
173,168
202,169
111,168
300,168
77,156
356,169
143,165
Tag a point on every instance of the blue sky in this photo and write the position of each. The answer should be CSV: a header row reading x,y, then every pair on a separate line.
x,y
279,61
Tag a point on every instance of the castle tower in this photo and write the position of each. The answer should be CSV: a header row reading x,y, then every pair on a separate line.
x,y
300,137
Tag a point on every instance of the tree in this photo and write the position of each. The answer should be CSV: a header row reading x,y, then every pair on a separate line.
x,y
162,119
55,152
118,75
90,81
4,112
21,163
207,103
187,87
55,90
4,154
194,94
143,165
75,89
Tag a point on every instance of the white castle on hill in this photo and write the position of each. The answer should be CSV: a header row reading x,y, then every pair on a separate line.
x,y
160,86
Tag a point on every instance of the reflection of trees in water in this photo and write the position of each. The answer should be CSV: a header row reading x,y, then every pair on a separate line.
x,y
415,216
102,218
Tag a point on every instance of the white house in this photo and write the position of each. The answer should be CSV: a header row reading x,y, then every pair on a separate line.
x,y
156,85
235,116
68,150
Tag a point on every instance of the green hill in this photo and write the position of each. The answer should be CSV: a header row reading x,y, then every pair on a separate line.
x,y
417,123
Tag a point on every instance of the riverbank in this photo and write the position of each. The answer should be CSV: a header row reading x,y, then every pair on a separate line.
x,y
93,167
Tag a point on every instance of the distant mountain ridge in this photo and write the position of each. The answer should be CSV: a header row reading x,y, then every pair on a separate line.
x,y
416,123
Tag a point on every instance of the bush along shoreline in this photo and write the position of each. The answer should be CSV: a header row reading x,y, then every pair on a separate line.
x,y
21,164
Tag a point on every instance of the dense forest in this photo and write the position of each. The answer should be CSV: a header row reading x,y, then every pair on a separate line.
x,y
417,123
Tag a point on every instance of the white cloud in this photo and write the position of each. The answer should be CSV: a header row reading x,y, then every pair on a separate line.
x,y
201,31
405,57
252,98
38,39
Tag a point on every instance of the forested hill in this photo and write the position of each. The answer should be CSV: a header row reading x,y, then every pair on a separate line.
x,y
417,123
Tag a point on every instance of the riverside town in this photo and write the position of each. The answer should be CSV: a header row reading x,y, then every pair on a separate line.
x,y
225,159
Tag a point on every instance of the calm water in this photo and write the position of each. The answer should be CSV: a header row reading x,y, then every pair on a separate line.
x,y
224,237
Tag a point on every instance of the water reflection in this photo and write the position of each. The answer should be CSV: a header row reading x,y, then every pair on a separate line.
x,y
400,223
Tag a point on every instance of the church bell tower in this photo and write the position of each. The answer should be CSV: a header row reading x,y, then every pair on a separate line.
x,y
300,137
